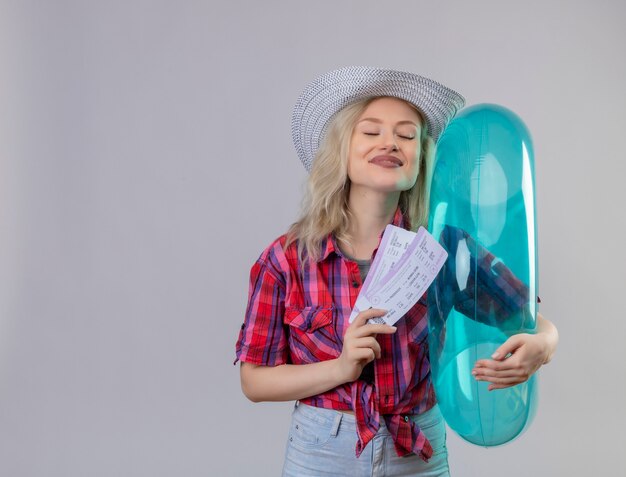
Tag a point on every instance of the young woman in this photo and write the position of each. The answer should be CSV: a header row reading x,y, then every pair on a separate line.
x,y
365,400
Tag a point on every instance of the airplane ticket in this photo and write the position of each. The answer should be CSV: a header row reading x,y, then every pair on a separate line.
x,y
404,267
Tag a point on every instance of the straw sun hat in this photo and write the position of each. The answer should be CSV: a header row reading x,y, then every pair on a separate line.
x,y
334,90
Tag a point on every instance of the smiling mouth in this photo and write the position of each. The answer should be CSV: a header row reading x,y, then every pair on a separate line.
x,y
386,161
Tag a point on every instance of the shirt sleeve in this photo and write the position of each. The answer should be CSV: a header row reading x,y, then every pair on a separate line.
x,y
487,291
262,339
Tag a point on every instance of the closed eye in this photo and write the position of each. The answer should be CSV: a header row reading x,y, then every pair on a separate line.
x,y
409,138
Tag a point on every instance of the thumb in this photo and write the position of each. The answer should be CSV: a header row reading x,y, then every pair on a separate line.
x,y
509,346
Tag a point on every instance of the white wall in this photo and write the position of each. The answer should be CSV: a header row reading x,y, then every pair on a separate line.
x,y
146,160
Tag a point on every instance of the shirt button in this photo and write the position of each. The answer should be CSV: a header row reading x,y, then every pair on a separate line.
x,y
355,284
406,418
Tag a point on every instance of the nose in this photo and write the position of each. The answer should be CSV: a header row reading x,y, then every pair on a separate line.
x,y
389,142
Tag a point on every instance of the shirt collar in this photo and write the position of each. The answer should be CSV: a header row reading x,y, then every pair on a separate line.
x,y
329,244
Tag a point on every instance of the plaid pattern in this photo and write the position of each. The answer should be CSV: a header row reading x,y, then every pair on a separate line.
x,y
491,294
300,315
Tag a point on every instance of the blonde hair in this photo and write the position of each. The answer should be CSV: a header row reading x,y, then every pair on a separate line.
x,y
325,205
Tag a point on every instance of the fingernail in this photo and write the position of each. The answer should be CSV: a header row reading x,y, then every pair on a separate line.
x,y
474,373
495,355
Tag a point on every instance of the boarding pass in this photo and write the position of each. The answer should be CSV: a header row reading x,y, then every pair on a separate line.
x,y
404,267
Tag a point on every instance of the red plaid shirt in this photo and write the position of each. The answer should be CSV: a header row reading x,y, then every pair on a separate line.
x,y
301,317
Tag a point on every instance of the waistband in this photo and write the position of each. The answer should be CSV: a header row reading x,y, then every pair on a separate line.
x,y
332,417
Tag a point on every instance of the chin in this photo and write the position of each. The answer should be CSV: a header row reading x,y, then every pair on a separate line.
x,y
397,186
385,184
388,188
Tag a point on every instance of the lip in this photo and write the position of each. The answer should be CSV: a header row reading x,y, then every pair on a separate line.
x,y
386,161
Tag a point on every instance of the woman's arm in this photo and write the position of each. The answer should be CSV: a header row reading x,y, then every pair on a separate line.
x,y
288,382
519,357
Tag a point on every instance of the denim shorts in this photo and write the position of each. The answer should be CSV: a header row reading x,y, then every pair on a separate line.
x,y
322,442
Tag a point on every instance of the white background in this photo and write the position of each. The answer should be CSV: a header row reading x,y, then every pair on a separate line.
x,y
146,161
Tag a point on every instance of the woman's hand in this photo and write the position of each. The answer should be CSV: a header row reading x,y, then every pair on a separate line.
x,y
360,345
519,357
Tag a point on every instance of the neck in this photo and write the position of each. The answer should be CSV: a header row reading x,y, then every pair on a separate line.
x,y
372,211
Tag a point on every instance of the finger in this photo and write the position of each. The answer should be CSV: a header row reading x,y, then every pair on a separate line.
x,y
490,373
491,387
509,380
365,355
365,315
369,342
358,327
372,330
495,365
502,385
508,347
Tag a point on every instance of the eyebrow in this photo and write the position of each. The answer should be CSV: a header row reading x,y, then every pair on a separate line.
x,y
378,121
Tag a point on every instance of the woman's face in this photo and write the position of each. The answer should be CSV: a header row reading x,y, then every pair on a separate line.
x,y
385,148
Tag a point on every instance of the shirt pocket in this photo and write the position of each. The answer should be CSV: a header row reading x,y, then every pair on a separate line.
x,y
312,334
